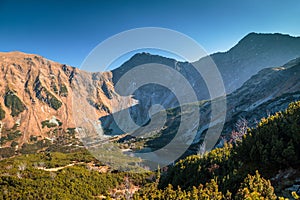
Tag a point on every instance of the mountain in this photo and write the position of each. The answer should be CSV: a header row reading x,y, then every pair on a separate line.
x,y
42,100
37,97
33,90
269,91
252,54
52,111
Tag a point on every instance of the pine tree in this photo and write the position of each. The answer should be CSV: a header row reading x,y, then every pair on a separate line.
x,y
255,187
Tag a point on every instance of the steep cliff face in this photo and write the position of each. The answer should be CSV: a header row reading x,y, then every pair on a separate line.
x,y
36,96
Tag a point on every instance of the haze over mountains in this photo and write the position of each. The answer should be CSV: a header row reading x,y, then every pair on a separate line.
x,y
36,94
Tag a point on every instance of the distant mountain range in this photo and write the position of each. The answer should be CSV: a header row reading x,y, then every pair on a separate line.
x,y
252,54
269,91
36,93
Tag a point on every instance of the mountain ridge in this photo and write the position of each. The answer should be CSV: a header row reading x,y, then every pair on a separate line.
x,y
235,69
255,99
37,92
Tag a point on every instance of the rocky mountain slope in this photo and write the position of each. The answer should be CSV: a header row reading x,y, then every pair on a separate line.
x,y
252,54
37,95
269,91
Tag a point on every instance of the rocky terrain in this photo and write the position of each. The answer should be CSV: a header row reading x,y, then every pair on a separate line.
x,y
36,96
41,99
50,113
269,91
252,54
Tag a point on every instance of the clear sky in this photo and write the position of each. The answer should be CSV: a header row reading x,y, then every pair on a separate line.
x,y
67,30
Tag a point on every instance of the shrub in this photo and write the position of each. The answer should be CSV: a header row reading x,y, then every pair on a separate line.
x,y
2,113
12,101
54,102
256,187
44,95
14,144
63,90
6,152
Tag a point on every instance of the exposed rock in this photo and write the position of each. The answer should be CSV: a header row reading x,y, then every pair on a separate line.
x,y
40,88
286,182
35,89
269,91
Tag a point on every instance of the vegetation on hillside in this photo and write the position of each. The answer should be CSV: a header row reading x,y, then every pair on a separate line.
x,y
37,176
12,101
46,96
253,187
2,113
49,124
239,170
268,148
9,135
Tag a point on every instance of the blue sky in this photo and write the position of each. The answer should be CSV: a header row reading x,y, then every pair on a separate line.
x,y
66,31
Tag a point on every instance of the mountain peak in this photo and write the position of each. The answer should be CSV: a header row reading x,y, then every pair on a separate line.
x,y
18,57
16,54
148,57
265,39
261,43
254,35
140,59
